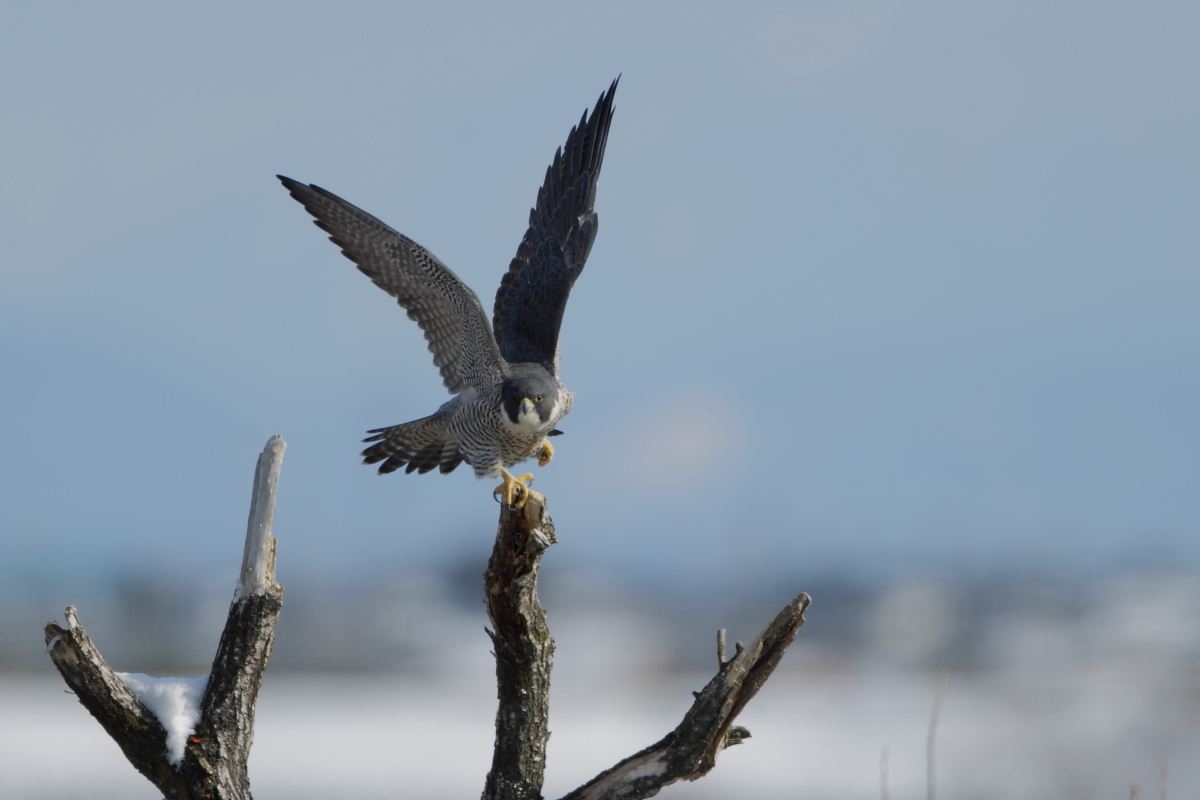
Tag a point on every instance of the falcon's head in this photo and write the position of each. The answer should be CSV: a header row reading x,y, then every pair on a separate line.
x,y
530,397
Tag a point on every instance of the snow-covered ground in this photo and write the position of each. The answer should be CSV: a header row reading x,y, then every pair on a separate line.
x,y
818,731
1057,693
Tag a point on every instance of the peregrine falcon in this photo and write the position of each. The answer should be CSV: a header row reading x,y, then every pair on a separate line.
x,y
504,376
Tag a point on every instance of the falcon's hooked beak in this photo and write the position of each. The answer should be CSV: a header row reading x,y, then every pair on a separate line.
x,y
529,413
527,419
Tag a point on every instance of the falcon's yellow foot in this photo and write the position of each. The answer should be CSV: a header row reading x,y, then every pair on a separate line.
x,y
514,491
546,453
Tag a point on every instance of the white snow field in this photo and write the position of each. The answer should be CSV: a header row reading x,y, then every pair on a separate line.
x,y
1071,701
818,731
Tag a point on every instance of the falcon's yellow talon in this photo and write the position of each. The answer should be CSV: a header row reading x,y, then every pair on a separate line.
x,y
546,453
514,490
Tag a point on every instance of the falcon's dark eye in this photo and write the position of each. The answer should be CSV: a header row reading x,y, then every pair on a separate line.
x,y
537,399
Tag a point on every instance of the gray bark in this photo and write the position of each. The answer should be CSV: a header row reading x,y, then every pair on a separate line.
x,y
214,759
524,651
690,751
136,730
524,654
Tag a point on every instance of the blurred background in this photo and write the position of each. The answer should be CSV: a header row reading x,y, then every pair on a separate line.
x,y
892,303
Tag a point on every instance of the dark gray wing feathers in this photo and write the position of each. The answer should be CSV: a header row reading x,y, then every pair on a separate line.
x,y
562,226
449,313
421,444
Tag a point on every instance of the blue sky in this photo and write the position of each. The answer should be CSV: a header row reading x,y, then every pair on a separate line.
x,y
878,286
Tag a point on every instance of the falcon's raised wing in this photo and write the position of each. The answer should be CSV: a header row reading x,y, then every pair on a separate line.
x,y
446,309
562,226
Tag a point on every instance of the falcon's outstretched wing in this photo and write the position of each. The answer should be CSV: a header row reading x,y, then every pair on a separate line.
x,y
562,226
446,309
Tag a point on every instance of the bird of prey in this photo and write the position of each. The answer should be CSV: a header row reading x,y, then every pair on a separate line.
x,y
504,376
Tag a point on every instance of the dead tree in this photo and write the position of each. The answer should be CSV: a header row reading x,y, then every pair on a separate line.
x,y
209,761
524,652
210,764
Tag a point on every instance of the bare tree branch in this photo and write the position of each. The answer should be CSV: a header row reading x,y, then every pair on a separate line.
x,y
690,751
213,766
136,730
524,651
215,759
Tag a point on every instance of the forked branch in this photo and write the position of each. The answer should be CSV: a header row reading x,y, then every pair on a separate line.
x,y
212,765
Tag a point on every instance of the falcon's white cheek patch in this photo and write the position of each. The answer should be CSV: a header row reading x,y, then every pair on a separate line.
x,y
528,421
556,413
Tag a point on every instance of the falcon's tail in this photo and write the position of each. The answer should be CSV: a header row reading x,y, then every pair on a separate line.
x,y
422,444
